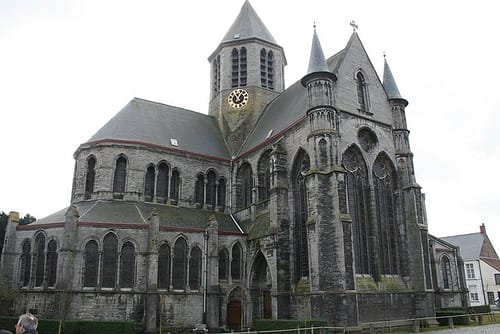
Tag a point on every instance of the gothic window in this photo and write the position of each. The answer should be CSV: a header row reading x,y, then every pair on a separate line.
x,y
270,70
264,176
244,185
120,175
51,263
358,204
301,166
223,264
243,66
221,194
446,272
362,91
162,183
164,267
91,264
127,265
236,262
149,184
235,71
263,68
216,69
195,269
39,259
174,185
25,263
199,189
179,265
267,69
211,190
323,154
109,261
90,178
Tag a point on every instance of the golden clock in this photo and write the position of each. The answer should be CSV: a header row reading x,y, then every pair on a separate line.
x,y
238,98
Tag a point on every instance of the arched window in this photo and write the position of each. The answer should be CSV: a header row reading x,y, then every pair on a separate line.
x,y
174,185
91,264
270,70
221,194
195,269
149,184
109,261
243,66
120,176
235,71
362,91
223,264
90,178
263,68
244,185
127,265
51,263
199,190
323,154
446,272
25,264
358,203
162,183
39,259
301,245
384,178
264,176
211,190
236,262
164,267
216,73
179,265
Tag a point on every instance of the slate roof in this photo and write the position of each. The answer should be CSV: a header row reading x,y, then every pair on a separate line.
x,y
389,83
248,25
137,213
317,62
470,244
153,123
494,263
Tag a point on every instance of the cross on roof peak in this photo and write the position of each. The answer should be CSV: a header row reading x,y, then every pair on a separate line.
x,y
354,25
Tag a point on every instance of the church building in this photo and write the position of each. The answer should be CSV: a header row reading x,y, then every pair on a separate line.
x,y
280,203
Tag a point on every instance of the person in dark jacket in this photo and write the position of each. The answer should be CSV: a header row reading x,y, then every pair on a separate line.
x,y
27,324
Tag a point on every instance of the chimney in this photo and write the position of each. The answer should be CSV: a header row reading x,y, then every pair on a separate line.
x,y
482,228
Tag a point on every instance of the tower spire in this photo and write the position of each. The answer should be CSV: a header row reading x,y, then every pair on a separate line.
x,y
317,61
389,83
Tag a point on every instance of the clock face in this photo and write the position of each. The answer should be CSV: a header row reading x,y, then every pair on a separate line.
x,y
238,98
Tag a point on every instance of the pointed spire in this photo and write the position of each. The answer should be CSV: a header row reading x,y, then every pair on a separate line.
x,y
248,25
389,83
317,61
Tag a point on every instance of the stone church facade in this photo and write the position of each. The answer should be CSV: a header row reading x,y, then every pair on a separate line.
x,y
282,203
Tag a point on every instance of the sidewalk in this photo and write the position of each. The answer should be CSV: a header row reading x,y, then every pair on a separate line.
x,y
486,329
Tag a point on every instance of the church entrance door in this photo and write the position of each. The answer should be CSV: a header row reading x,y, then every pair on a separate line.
x,y
234,315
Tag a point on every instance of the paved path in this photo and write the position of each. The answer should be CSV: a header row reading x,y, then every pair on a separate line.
x,y
486,329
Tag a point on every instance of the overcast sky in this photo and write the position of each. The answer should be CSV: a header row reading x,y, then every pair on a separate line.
x,y
68,66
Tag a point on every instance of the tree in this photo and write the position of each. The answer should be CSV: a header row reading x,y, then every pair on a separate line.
x,y
27,219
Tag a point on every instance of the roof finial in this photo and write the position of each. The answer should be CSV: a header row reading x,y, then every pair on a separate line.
x,y
354,25
383,52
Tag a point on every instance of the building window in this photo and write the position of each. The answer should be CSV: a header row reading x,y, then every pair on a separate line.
x,y
199,190
120,176
162,183
264,176
474,296
25,264
211,190
358,205
51,263
164,267
127,265
301,245
149,184
446,272
179,265
469,268
497,279
221,194
235,71
384,178
362,91
491,298
223,264
244,185
174,185
216,78
91,261
243,66
109,261
266,69
195,269
39,259
90,178
236,262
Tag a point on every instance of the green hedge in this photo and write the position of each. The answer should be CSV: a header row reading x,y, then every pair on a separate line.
x,y
480,309
460,316
49,326
267,325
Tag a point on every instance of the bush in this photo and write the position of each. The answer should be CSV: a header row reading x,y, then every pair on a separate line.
x,y
460,316
480,309
266,325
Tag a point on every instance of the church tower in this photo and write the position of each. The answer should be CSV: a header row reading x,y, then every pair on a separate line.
x,y
247,72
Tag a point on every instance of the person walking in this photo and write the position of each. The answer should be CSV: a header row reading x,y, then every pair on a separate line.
x,y
27,324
